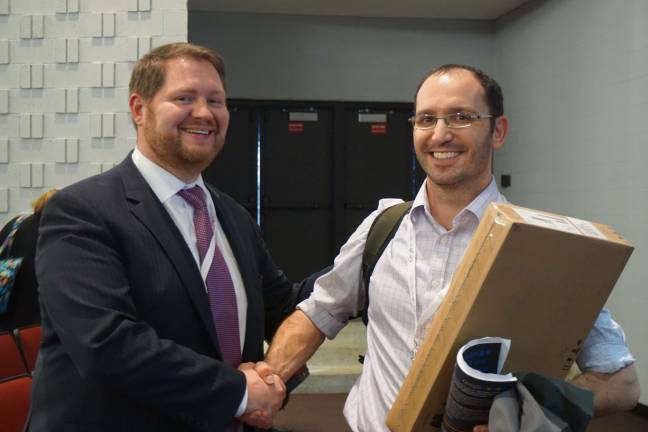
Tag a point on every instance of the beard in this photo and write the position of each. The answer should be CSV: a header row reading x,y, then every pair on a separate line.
x,y
172,153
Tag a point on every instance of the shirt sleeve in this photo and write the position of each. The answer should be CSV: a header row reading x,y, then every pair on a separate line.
x,y
605,348
339,295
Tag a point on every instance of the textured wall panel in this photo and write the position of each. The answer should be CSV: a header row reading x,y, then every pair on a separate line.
x,y
37,125
94,25
4,200
66,66
4,150
108,125
31,51
25,175
37,179
25,76
139,24
93,73
38,26
58,144
95,125
175,22
73,6
25,125
60,50
144,5
103,99
72,150
108,75
143,46
4,101
37,76
61,6
4,51
73,50
25,27
108,25
57,100
72,100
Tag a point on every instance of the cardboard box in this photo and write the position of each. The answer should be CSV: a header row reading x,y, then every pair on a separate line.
x,y
536,278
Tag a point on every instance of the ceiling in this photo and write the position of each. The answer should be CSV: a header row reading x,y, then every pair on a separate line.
x,y
447,9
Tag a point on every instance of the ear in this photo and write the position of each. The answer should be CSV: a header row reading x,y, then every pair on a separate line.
x,y
136,105
500,132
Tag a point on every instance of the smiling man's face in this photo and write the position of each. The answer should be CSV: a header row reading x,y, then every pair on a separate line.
x,y
453,158
182,128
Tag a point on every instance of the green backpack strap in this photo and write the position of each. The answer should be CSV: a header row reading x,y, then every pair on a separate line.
x,y
380,234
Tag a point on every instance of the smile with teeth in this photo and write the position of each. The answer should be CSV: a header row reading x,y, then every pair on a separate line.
x,y
197,131
445,155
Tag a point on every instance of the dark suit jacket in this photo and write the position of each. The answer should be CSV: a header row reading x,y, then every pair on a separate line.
x,y
128,339
23,306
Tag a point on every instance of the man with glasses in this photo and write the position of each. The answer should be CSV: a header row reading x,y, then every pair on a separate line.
x,y
459,121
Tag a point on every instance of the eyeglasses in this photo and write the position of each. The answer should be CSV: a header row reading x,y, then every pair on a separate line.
x,y
459,120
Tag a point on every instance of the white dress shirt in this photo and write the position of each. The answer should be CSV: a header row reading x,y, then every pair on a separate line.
x,y
408,284
166,187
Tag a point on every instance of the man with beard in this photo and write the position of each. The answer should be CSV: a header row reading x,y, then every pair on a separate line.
x,y
156,288
459,121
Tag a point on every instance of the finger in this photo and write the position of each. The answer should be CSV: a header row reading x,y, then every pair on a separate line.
x,y
482,428
246,366
265,371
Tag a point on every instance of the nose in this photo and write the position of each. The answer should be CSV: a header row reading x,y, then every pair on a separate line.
x,y
441,132
201,109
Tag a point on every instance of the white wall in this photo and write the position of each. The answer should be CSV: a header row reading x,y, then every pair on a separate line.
x,y
575,76
64,71
336,58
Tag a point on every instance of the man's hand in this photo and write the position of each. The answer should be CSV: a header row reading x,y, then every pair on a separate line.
x,y
266,392
615,392
480,429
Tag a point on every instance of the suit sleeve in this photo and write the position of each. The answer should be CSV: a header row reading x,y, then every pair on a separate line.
x,y
85,292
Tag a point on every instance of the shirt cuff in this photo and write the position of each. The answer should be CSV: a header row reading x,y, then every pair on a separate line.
x,y
324,321
243,406
605,349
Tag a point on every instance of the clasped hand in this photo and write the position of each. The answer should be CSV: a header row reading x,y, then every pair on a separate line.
x,y
266,392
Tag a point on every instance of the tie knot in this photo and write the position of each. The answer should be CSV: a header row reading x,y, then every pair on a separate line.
x,y
194,196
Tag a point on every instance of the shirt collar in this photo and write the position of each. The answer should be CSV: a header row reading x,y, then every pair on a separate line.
x,y
477,207
164,184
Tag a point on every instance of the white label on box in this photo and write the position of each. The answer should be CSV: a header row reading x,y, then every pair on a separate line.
x,y
546,220
587,228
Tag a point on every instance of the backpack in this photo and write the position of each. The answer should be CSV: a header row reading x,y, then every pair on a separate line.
x,y
381,232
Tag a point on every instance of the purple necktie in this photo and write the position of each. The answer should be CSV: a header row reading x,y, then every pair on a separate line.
x,y
220,289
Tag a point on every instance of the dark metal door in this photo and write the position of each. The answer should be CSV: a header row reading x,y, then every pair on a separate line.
x,y
296,179
234,170
379,161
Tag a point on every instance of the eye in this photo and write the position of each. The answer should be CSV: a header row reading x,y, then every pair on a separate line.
x,y
184,99
216,103
463,116
427,119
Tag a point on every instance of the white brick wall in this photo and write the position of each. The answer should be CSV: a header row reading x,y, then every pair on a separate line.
x,y
64,71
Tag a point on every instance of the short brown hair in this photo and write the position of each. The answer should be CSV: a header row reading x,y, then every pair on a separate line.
x,y
493,95
148,74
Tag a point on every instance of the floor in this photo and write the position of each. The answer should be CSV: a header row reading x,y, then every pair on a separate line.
x,y
323,413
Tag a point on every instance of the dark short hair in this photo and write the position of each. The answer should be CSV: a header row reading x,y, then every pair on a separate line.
x,y
148,74
492,90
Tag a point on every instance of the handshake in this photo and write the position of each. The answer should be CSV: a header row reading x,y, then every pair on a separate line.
x,y
266,393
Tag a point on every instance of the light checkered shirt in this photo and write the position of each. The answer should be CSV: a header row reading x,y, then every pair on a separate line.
x,y
408,284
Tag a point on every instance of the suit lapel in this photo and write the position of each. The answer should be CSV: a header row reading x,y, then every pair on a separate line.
x,y
147,208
